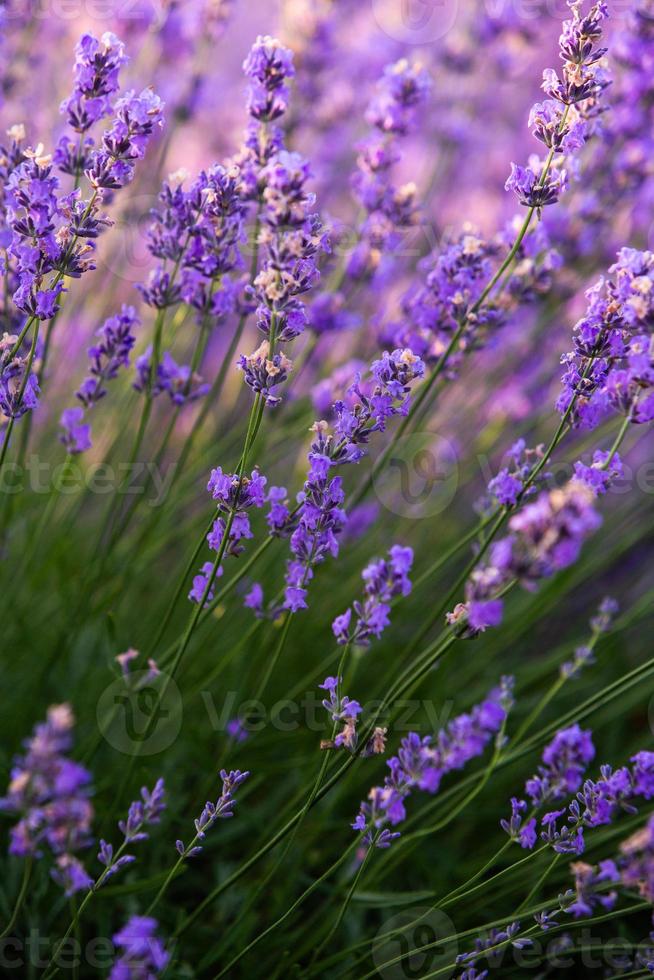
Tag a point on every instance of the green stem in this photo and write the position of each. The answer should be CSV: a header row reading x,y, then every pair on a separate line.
x,y
27,873
21,392
348,898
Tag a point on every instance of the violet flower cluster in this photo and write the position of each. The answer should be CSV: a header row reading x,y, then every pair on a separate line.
x,y
222,809
141,814
509,936
451,312
96,70
596,803
561,122
290,236
421,763
320,517
384,581
50,235
611,368
196,235
142,955
50,793
234,496
545,537
107,357
402,91
342,710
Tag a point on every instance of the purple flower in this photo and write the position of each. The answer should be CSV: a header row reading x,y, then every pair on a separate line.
x,y
18,393
589,895
76,436
341,709
198,231
254,600
545,537
565,760
116,340
136,118
222,809
234,496
142,955
268,65
534,188
141,814
97,65
563,130
96,70
610,367
50,793
421,763
320,518
507,487
183,385
384,581
602,472
483,615
71,875
200,583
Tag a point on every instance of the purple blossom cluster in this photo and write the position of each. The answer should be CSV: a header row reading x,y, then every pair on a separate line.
x,y
50,793
49,235
545,537
510,936
596,803
402,91
342,710
222,809
196,235
290,235
96,70
137,117
421,763
19,383
512,481
561,122
182,384
320,518
234,497
451,313
384,581
142,955
107,357
141,814
611,368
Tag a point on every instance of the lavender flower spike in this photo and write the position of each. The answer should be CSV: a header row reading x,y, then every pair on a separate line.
x,y
142,956
222,809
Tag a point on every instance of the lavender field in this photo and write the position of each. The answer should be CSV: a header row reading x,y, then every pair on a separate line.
x,y
326,489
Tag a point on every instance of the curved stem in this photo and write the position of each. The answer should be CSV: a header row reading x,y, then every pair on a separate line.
x,y
27,873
